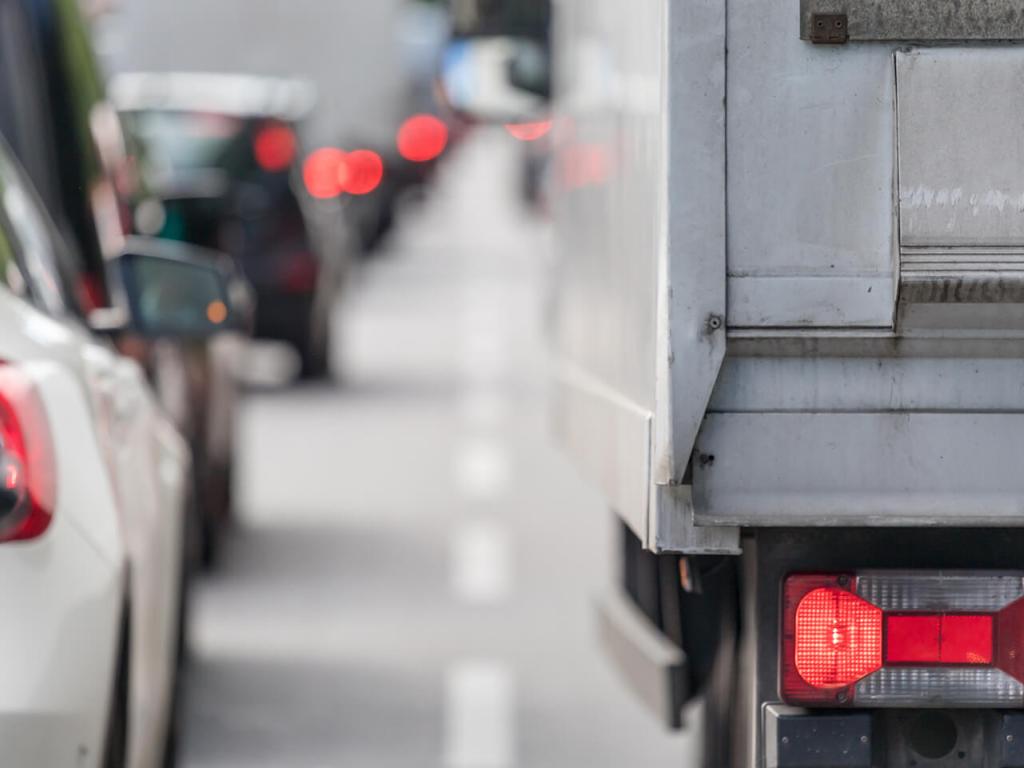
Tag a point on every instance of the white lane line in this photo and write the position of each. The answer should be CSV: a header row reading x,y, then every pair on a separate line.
x,y
479,715
483,355
267,364
481,567
484,329
483,408
481,469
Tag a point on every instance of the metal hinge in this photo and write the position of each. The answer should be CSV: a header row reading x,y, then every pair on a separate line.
x,y
829,29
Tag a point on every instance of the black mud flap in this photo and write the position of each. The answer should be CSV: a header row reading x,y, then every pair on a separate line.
x,y
653,666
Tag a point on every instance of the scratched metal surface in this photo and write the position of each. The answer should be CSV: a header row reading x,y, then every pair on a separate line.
x,y
924,20
960,112
810,176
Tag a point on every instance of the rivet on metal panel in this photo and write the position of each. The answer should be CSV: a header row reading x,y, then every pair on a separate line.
x,y
829,28
714,323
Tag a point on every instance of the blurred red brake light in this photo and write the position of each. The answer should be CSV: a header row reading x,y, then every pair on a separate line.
x,y
422,138
838,638
529,131
361,172
27,466
321,172
274,147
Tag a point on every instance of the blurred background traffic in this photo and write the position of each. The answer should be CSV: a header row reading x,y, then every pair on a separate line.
x,y
336,285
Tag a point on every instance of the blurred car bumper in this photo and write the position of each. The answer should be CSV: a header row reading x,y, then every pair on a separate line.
x,y
283,316
62,611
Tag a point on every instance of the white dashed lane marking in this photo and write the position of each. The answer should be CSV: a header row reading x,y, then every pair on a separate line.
x,y
480,709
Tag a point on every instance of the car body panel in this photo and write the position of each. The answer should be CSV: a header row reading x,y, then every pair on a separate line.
x,y
68,602
122,488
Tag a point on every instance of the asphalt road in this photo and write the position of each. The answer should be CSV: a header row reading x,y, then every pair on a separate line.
x,y
412,580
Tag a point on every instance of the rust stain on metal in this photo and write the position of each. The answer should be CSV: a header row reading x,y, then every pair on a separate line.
x,y
963,289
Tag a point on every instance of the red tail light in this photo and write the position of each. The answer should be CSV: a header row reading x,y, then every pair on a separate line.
x,y
274,147
838,638
422,138
942,639
27,476
361,172
299,272
529,131
923,638
321,173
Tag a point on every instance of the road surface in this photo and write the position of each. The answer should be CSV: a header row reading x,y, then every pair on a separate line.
x,y
413,576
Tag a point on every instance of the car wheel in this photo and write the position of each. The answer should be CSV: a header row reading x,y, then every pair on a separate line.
x,y
202,528
170,756
209,551
721,708
171,745
190,561
115,750
314,350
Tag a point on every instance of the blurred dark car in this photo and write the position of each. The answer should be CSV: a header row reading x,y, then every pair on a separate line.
x,y
54,113
239,139
373,214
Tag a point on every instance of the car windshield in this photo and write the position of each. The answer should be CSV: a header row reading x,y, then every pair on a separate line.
x,y
188,140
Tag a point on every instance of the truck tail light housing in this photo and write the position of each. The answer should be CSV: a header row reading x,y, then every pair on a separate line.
x,y
903,639
27,476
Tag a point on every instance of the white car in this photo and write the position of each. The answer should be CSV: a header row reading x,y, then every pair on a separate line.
x,y
93,490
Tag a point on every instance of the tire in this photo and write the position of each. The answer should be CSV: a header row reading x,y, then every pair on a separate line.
x,y
173,736
185,578
189,566
202,532
210,542
721,710
216,507
171,748
314,350
115,749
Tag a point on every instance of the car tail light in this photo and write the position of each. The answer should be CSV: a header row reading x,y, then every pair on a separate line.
x,y
320,172
299,272
911,639
529,131
422,138
361,172
274,147
27,476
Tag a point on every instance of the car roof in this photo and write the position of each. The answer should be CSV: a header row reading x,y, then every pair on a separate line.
x,y
220,93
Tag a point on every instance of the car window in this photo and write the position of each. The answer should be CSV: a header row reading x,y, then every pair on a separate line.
x,y
186,140
24,103
10,271
92,211
30,240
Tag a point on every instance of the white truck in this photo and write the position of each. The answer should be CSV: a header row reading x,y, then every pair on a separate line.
x,y
790,322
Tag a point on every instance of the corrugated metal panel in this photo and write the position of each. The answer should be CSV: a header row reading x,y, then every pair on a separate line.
x,y
959,113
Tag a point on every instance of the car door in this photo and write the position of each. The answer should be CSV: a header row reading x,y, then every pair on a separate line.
x,y
147,459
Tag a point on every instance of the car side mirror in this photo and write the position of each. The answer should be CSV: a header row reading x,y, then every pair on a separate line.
x,y
171,292
529,69
497,79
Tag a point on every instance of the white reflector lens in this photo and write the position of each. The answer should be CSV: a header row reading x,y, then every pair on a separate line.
x,y
939,687
954,592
